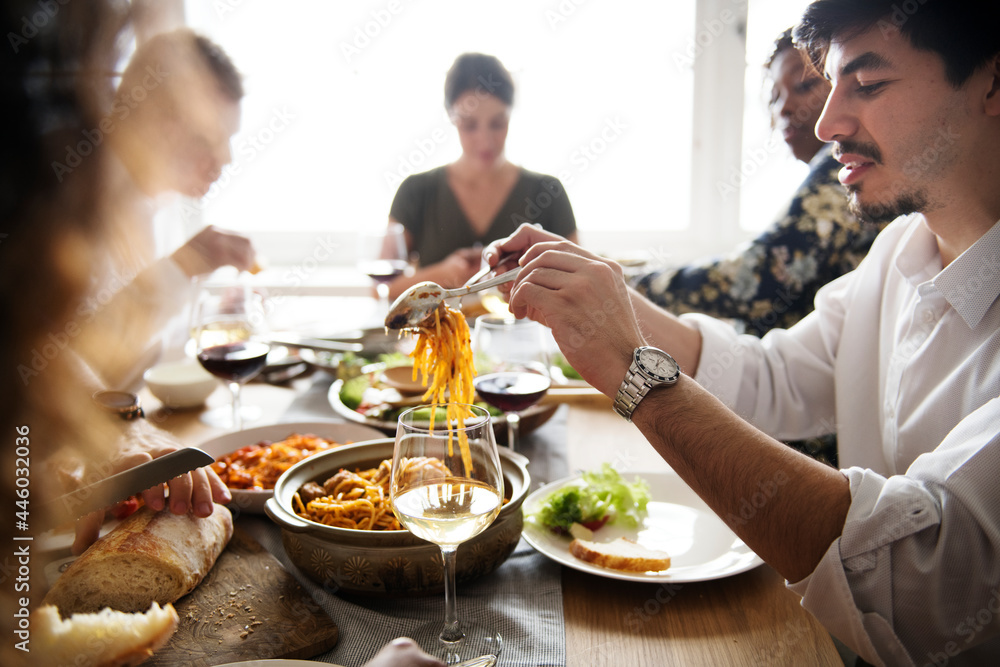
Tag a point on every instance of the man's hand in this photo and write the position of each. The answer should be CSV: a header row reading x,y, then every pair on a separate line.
x,y
403,652
142,442
212,248
580,296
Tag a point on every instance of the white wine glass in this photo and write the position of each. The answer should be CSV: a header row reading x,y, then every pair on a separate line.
x,y
512,366
446,488
227,326
382,256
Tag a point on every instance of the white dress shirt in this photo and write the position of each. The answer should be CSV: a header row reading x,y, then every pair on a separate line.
x,y
902,359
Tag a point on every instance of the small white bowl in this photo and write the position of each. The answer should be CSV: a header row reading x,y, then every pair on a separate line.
x,y
180,384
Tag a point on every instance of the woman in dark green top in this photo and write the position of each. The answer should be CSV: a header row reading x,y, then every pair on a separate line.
x,y
450,211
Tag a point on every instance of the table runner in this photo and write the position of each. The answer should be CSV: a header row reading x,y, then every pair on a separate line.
x,y
522,599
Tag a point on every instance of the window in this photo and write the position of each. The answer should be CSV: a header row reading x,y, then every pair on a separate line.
x,y
345,99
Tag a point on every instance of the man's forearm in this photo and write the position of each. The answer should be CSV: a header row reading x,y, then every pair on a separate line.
x,y
787,507
667,332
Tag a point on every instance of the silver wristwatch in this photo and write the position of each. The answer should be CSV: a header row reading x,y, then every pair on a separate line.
x,y
651,367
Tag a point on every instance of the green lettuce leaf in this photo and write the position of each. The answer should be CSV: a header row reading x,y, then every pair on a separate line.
x,y
601,497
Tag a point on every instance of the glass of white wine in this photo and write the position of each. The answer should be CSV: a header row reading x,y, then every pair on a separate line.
x,y
447,488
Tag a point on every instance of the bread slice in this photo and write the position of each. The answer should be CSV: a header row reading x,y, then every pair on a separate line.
x,y
105,639
620,554
149,557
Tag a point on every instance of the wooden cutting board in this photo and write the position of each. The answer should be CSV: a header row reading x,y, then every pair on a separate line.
x,y
249,607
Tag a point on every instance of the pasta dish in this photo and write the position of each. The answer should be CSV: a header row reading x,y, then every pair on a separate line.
x,y
258,466
444,355
360,500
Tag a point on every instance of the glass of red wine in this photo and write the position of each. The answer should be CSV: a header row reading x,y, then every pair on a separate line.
x,y
228,322
512,366
382,256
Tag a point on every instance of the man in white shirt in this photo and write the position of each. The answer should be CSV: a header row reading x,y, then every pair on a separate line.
x,y
897,553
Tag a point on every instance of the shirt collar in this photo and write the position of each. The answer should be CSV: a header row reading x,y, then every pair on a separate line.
x,y
918,258
971,283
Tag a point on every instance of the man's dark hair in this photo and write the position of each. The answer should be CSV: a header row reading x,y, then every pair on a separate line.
x,y
184,48
478,72
221,66
964,33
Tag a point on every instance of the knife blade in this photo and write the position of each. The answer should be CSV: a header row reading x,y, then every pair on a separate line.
x,y
121,486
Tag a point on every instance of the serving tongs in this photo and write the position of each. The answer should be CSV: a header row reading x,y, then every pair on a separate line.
x,y
416,306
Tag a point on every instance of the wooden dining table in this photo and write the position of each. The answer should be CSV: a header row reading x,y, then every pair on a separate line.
x,y
744,619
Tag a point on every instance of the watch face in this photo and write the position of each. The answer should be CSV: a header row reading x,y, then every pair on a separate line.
x,y
658,364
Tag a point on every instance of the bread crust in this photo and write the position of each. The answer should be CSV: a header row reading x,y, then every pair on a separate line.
x,y
149,557
621,554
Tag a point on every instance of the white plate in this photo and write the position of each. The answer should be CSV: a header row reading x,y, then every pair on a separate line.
x,y
338,431
531,418
700,545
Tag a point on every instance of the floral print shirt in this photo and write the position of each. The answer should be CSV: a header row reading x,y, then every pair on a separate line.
x,y
771,281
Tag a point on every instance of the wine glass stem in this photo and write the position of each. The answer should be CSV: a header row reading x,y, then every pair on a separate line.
x,y
452,631
237,414
382,289
513,424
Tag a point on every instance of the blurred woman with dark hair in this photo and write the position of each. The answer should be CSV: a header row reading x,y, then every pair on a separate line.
x,y
449,211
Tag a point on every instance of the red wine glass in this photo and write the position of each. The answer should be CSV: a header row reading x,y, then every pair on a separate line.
x,y
228,322
512,366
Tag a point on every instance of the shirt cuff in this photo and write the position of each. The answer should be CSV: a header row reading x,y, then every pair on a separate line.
x,y
881,512
721,364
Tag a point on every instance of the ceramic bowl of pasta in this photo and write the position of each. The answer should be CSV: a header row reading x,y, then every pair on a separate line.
x,y
381,562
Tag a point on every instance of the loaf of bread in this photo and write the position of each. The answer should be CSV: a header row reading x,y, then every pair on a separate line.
x,y
149,557
620,554
105,639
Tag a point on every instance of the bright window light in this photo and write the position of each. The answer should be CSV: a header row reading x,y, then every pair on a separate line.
x,y
345,98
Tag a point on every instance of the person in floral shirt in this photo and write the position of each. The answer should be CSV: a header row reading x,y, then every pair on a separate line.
x,y
772,281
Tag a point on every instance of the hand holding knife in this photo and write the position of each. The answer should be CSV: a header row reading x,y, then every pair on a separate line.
x,y
120,486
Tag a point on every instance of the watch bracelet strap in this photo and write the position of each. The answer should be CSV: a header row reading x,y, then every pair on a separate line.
x,y
630,393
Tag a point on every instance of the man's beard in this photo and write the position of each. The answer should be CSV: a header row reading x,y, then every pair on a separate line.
x,y
883,212
878,213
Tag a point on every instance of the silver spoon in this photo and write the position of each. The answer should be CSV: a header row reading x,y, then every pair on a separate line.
x,y
419,302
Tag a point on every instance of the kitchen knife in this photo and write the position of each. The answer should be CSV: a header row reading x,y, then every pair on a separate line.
x,y
120,486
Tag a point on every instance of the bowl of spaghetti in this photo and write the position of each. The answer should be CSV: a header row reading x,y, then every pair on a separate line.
x,y
356,546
